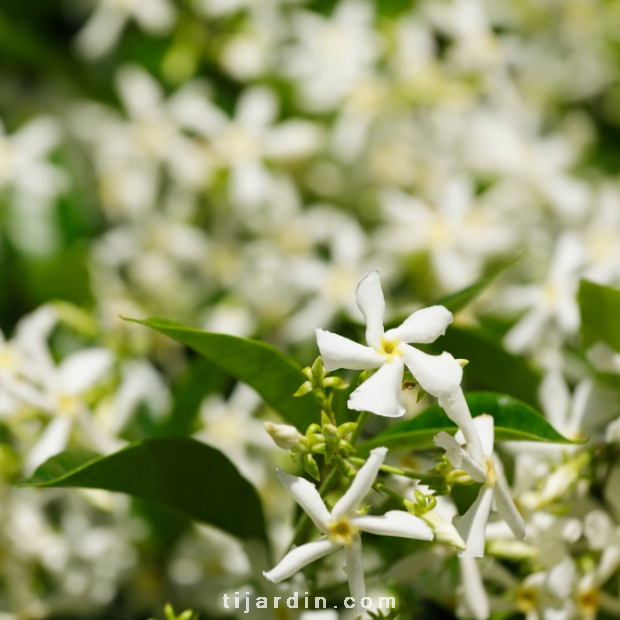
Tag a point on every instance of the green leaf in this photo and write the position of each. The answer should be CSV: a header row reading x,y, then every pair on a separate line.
x,y
457,301
514,420
490,366
600,314
272,374
182,474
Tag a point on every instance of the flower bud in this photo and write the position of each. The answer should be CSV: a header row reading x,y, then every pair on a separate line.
x,y
285,436
304,389
311,467
444,532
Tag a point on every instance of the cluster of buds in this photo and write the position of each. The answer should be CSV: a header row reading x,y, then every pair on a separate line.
x,y
444,532
317,383
444,477
326,438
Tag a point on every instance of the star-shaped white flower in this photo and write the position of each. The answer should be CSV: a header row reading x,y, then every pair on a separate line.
x,y
439,375
481,467
341,528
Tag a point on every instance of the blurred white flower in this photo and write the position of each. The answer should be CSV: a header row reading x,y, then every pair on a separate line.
x,y
330,55
551,304
458,234
230,426
103,29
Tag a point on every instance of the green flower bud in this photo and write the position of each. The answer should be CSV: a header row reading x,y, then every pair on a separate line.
x,y
335,383
304,389
311,467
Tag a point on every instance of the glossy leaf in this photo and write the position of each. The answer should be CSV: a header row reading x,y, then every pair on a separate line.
x,y
272,374
181,474
514,420
490,366
600,314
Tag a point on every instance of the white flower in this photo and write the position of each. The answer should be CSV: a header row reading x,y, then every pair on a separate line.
x,y
552,302
230,426
342,526
381,394
62,389
104,27
481,466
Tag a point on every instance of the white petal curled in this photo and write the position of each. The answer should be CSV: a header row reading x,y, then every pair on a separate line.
x,y
507,510
361,484
381,393
423,326
472,525
306,495
370,301
439,375
459,458
339,352
457,410
355,569
394,523
299,557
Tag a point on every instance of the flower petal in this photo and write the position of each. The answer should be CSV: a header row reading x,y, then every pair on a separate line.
x,y
472,524
423,326
81,370
473,591
370,301
355,569
339,352
457,410
459,458
507,510
522,335
485,425
307,496
394,523
361,484
381,393
437,374
53,441
299,557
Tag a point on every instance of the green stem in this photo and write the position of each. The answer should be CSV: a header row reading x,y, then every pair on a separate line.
x,y
388,469
385,489
361,421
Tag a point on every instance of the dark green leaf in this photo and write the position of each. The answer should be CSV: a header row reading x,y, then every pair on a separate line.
x,y
182,474
600,314
271,373
490,366
514,420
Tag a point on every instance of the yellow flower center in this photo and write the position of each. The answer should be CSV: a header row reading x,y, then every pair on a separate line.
x,y
342,531
68,405
588,603
491,473
389,348
526,599
8,358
